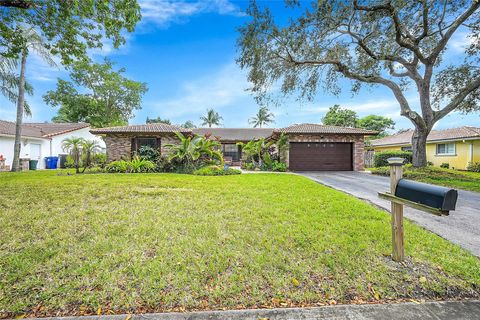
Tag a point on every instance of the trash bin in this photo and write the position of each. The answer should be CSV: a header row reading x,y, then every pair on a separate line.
x,y
51,162
63,160
54,161
33,164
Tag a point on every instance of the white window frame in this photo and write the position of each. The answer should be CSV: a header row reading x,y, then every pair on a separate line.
x,y
454,152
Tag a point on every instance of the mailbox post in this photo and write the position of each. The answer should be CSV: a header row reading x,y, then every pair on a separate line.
x,y
396,173
417,195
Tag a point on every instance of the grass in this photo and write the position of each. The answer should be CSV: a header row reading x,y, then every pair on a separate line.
x,y
115,243
434,175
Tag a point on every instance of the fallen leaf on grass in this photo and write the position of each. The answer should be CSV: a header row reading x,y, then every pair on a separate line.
x,y
128,317
295,282
422,279
99,311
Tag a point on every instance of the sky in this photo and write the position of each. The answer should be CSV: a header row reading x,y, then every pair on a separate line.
x,y
185,51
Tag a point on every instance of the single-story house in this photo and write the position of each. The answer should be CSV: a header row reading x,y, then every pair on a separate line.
x,y
311,146
455,146
40,140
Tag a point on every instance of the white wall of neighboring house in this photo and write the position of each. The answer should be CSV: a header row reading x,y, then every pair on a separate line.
x,y
80,133
30,147
39,148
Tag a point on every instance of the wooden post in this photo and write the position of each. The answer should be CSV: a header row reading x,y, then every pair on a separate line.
x,y
398,253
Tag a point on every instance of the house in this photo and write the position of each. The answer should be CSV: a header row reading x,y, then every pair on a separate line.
x,y
40,140
311,146
456,146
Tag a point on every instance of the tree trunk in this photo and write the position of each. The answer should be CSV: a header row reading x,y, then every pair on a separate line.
x,y
20,109
419,144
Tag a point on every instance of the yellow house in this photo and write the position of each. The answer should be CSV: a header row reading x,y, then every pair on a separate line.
x,y
456,146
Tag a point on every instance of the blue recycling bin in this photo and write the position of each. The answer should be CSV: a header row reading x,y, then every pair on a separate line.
x,y
51,162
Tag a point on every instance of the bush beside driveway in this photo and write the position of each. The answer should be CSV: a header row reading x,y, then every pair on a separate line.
x,y
120,243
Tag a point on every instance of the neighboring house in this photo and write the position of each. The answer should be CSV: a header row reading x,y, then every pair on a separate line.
x,y
456,146
311,146
40,140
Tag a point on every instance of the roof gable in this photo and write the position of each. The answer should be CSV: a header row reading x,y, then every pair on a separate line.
x,y
40,130
313,128
464,132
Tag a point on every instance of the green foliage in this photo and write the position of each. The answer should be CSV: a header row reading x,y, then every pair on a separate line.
x,y
73,146
258,151
215,171
248,165
279,166
89,149
212,118
100,160
192,152
136,165
337,116
263,116
473,166
157,120
69,28
188,124
445,165
435,175
380,158
110,98
69,162
148,153
376,123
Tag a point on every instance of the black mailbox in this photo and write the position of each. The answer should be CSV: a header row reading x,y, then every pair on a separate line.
x,y
437,197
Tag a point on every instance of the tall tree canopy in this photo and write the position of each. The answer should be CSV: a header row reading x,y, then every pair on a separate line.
x,y
212,118
376,123
68,28
337,116
157,120
110,98
263,116
396,44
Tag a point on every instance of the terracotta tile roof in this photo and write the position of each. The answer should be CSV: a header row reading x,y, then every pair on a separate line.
x,y
235,134
142,128
435,135
53,129
314,128
40,130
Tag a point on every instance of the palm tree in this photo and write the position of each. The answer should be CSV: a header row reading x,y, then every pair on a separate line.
x,y
89,149
73,146
212,118
9,82
32,41
263,116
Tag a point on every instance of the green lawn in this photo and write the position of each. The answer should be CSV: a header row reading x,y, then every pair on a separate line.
x,y
114,243
434,175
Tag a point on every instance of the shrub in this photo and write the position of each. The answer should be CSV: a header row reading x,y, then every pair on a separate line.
x,y
445,165
100,159
69,162
136,165
215,171
473,166
279,166
429,163
248,166
148,153
380,158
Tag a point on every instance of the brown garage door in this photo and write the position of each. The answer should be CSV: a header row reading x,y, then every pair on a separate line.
x,y
320,156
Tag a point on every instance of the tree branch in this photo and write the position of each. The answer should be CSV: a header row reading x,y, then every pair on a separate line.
x,y
455,102
454,26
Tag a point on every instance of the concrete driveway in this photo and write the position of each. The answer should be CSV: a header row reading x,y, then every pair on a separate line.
x,y
462,226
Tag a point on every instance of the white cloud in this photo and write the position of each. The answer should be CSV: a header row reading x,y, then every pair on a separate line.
x,y
220,89
162,12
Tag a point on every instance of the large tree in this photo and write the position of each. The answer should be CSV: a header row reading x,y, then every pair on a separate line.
x,y
107,97
392,43
263,116
31,43
376,123
68,28
337,116
212,118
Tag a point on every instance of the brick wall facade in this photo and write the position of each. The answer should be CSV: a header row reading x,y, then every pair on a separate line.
x,y
119,146
356,140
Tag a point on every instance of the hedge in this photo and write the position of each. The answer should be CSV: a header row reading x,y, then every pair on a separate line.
x,y
380,158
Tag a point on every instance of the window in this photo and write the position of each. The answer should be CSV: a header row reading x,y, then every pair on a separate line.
x,y
139,142
446,148
231,150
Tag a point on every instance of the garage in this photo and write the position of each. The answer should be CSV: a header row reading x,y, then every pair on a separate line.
x,y
321,156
